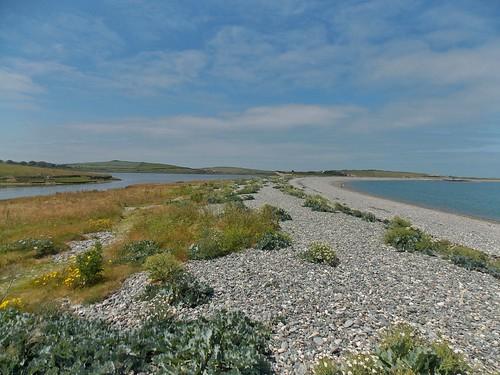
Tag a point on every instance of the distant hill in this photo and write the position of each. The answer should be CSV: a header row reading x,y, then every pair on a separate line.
x,y
13,174
382,173
120,166
236,170
361,173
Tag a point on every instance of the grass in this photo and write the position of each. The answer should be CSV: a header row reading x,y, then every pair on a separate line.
x,y
171,217
65,217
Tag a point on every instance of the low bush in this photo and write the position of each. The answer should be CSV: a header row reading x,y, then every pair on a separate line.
x,y
249,189
90,266
63,344
367,216
279,213
163,267
291,190
321,253
402,350
247,197
274,240
223,196
210,245
318,203
183,288
404,237
41,246
138,251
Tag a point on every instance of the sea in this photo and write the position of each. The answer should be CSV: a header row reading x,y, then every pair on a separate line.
x,y
472,198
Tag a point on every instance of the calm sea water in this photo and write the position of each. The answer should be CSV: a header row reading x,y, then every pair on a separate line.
x,y
480,199
127,179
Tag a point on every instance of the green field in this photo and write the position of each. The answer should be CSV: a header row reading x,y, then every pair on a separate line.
x,y
120,166
17,174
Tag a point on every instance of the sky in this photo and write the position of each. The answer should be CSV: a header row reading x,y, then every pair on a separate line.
x,y
286,84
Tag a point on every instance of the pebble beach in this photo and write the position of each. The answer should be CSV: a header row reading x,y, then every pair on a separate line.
x,y
316,310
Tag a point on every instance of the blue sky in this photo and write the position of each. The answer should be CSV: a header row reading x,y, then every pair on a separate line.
x,y
290,84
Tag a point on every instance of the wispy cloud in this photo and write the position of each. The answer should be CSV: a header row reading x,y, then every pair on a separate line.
x,y
253,119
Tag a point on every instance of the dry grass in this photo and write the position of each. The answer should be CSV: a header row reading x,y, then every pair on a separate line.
x,y
68,216
64,217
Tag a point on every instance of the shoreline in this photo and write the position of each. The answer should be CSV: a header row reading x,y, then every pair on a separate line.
x,y
479,233
350,188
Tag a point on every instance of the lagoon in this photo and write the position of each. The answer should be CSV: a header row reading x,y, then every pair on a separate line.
x,y
126,179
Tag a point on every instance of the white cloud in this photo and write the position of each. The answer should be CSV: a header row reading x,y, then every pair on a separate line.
x,y
256,118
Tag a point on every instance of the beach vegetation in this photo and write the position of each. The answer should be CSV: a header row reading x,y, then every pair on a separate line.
x,y
180,288
274,240
404,237
89,266
278,212
319,252
401,350
163,267
138,251
53,343
318,203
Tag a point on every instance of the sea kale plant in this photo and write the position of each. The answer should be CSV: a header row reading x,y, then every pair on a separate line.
x,y
321,253
63,344
274,240
401,350
138,251
182,288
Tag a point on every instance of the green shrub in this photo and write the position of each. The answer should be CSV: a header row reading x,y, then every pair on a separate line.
x,y
247,197
278,213
399,222
249,189
223,196
403,238
274,240
208,246
291,190
163,267
321,253
90,265
346,210
401,351
183,288
354,364
41,246
368,216
318,203
63,344
138,251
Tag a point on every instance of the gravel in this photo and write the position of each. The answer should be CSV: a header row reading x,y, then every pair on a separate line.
x,y
78,247
316,310
480,234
